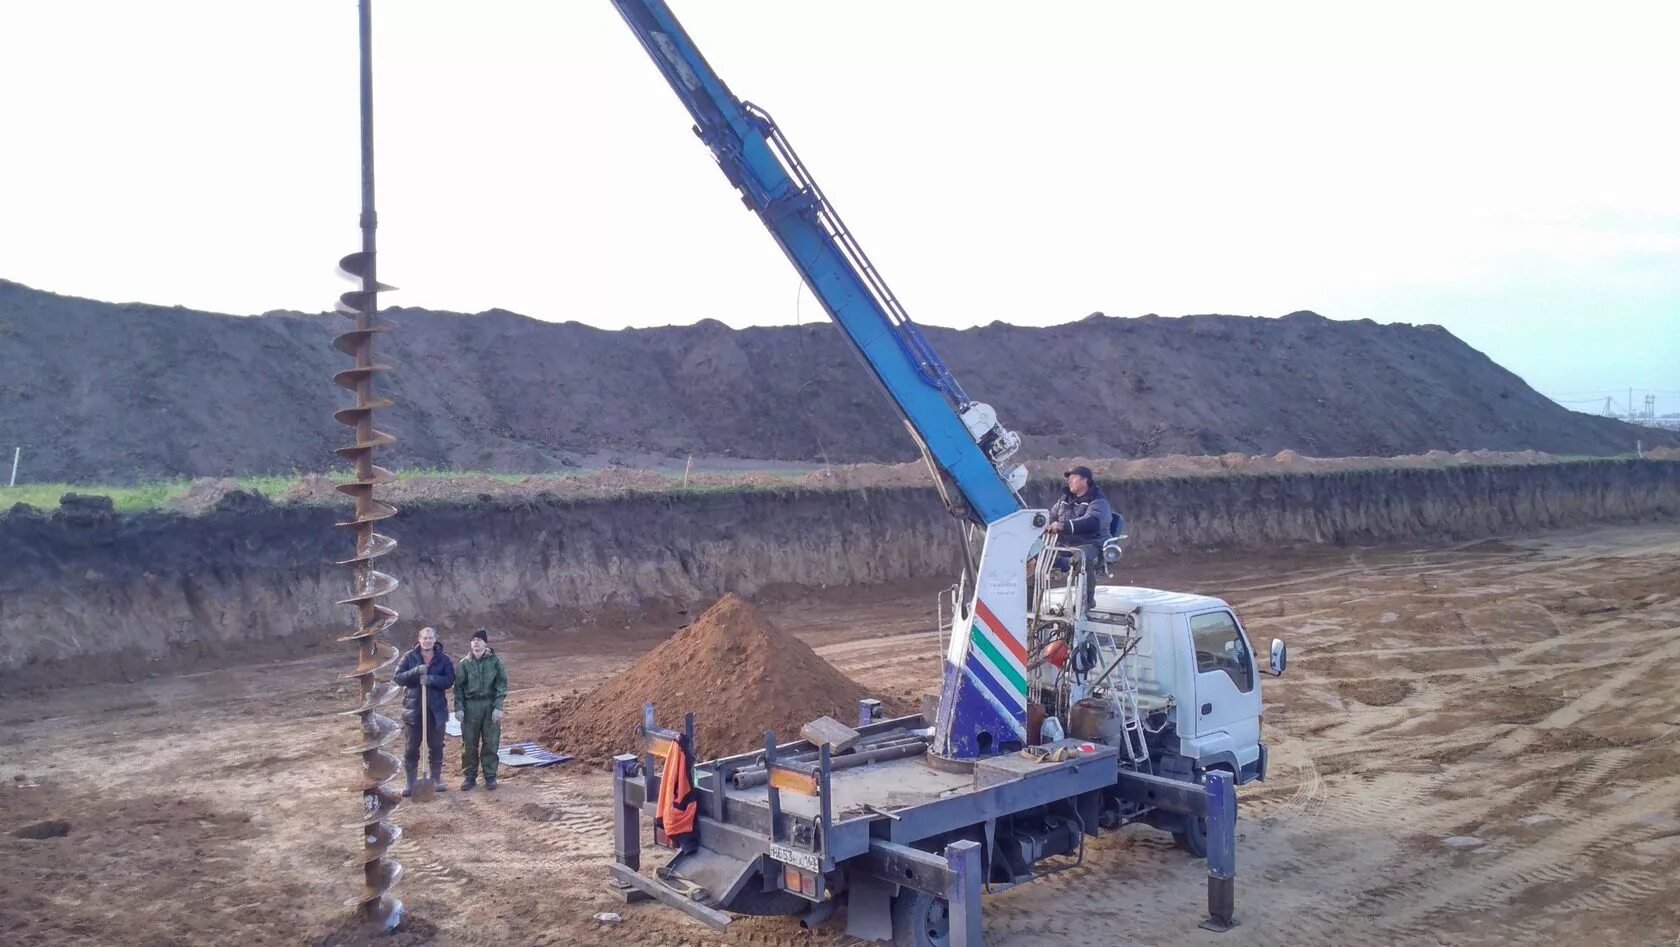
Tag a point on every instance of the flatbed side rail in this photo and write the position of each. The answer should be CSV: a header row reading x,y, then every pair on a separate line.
x,y
656,742
636,782
624,874
807,780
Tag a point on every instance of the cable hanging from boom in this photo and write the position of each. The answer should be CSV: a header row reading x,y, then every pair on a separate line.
x,y
933,368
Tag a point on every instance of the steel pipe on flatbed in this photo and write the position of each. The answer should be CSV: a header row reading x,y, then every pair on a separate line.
x,y
874,742
748,778
810,757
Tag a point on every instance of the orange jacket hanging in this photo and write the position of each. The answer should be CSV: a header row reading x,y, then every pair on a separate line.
x,y
678,804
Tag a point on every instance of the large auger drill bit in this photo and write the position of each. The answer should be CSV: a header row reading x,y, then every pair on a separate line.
x,y
374,655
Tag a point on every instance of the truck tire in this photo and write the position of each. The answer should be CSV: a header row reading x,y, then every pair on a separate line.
x,y
920,920
1193,836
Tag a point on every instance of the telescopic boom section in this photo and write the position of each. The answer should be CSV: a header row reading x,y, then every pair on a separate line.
x,y
962,438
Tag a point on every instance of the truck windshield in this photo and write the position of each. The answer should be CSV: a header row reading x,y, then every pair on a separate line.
x,y
1220,647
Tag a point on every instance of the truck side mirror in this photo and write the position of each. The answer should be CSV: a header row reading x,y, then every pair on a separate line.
x,y
1280,656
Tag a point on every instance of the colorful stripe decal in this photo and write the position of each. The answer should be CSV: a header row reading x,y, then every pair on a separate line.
x,y
995,658
997,664
1001,633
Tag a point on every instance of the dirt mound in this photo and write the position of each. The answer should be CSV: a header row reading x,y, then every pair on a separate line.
x,y
739,674
499,391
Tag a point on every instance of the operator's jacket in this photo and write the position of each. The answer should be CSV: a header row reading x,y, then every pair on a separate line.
x,y
481,679
1085,519
439,677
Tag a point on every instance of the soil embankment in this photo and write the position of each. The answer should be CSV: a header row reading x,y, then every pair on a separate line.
x,y
159,392
85,589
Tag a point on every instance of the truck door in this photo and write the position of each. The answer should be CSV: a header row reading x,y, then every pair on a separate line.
x,y
1227,695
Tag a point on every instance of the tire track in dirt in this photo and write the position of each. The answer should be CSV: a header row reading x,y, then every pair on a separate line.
x,y
1563,855
1423,895
1608,690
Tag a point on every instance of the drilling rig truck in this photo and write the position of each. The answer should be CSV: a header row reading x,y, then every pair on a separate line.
x,y
1063,712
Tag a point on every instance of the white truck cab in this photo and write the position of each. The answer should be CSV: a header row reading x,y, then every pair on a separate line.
x,y
1196,675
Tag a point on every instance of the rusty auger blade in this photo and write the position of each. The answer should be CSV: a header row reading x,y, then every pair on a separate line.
x,y
374,656
374,904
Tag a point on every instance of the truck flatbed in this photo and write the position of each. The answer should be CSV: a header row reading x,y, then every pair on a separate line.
x,y
774,845
909,799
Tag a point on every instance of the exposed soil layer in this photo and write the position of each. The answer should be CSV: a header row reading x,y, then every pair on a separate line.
x,y
157,391
738,672
207,494
88,594
206,807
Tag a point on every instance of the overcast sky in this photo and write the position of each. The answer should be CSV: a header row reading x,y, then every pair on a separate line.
x,y
1510,171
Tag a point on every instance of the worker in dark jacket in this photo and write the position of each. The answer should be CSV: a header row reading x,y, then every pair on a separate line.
x,y
480,690
428,674
1081,519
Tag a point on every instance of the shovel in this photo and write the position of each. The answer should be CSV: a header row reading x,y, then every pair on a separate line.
x,y
424,788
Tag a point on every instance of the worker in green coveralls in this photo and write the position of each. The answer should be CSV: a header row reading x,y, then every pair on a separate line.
x,y
480,690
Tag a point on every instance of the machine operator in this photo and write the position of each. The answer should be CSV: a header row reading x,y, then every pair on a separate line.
x,y
1082,519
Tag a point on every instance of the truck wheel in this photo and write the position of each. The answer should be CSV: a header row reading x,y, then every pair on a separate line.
x,y
1193,836
920,920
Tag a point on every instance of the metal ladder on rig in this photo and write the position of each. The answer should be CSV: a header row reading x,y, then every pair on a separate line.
x,y
1121,688
1114,653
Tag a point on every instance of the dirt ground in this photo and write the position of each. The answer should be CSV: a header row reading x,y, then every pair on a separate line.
x,y
1476,744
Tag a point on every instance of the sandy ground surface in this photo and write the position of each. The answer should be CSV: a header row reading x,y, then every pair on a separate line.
x,y
1514,696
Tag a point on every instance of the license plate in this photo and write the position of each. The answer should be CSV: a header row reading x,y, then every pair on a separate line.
x,y
808,861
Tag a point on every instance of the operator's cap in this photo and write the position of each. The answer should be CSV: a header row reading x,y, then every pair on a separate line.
x,y
1081,470
483,635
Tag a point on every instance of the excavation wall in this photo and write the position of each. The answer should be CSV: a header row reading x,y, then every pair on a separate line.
x,y
85,592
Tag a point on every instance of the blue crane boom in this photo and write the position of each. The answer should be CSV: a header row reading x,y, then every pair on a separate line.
x,y
961,438
983,696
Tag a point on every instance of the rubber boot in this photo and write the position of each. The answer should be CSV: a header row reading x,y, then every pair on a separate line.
x,y
408,791
468,783
437,778
490,783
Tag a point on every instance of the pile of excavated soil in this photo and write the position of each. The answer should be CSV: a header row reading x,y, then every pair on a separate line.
x,y
738,673
228,395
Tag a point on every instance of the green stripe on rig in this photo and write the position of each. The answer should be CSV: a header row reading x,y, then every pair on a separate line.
x,y
998,659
